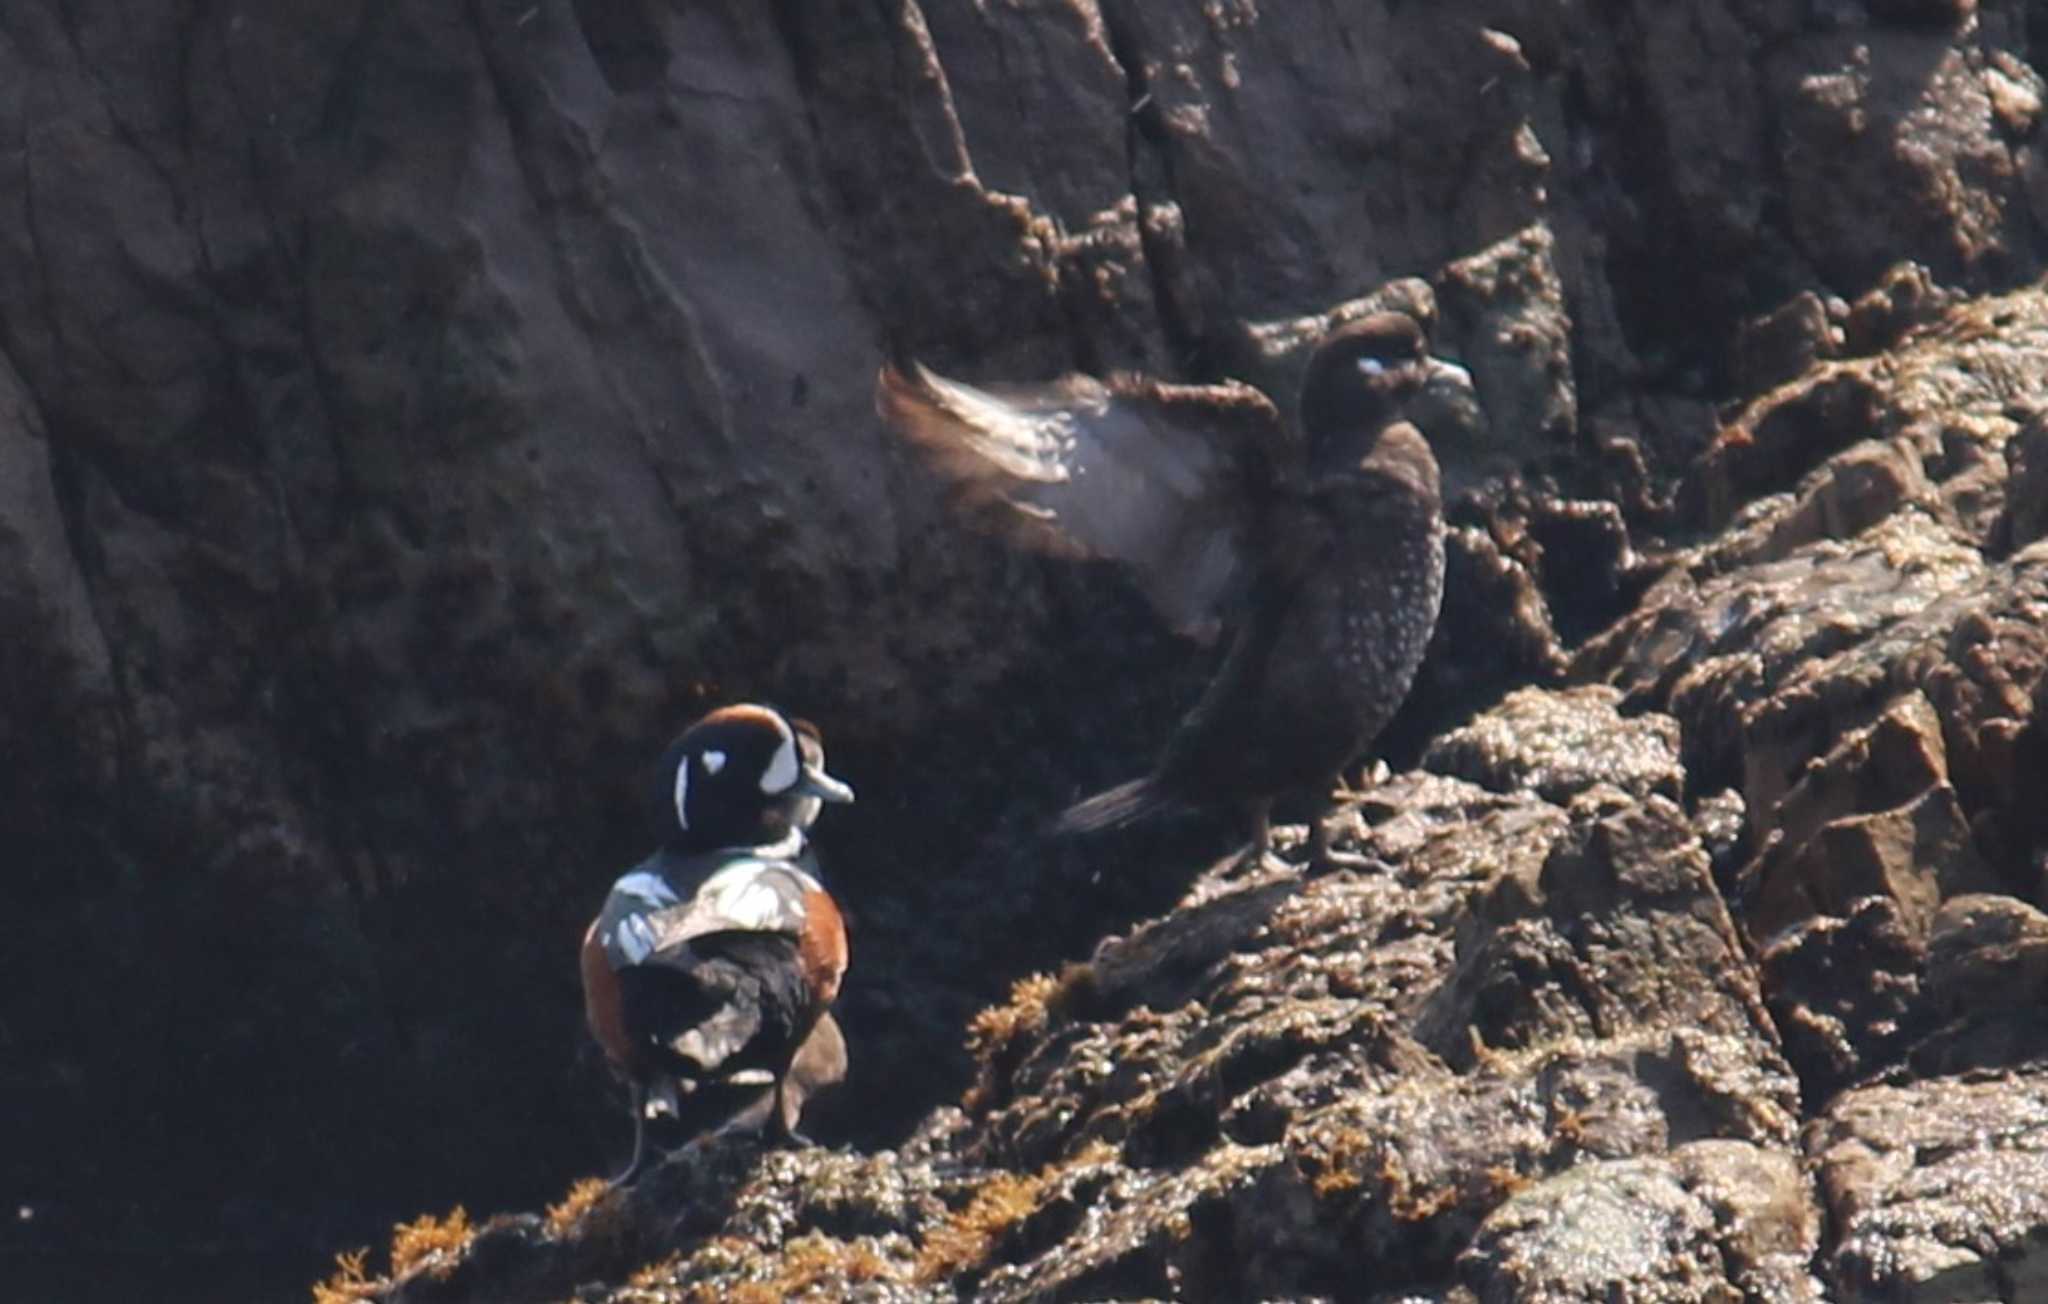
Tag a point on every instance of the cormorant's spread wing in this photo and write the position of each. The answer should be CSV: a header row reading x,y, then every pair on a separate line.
x,y
1167,479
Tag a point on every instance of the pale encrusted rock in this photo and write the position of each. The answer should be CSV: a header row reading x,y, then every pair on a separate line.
x,y
410,412
1558,743
1936,1190
1701,1225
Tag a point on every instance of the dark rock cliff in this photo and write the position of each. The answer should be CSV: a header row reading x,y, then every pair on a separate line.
x,y
410,413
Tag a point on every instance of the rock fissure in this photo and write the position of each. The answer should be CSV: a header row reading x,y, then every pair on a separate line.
x,y
1148,173
434,408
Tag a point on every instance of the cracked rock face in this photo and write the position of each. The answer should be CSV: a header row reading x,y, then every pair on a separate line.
x,y
411,413
1528,1029
1558,744
1555,1035
1669,1229
1936,1188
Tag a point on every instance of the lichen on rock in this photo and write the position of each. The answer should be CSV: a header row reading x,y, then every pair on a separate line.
x,y
410,412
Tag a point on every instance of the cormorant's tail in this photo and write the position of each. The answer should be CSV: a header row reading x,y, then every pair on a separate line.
x,y
1123,804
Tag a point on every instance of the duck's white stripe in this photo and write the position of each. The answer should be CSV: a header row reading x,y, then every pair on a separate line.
x,y
739,898
650,888
786,767
635,938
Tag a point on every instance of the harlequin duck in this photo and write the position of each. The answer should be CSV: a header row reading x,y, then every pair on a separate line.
x,y
708,973
1321,542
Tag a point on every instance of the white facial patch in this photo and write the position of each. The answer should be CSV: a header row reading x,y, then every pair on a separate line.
x,y
683,793
714,761
1371,366
784,770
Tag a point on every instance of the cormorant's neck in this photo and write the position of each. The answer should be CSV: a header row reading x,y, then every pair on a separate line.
x,y
1403,452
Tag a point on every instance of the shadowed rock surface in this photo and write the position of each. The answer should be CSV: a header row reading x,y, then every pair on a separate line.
x,y
1563,1040
411,413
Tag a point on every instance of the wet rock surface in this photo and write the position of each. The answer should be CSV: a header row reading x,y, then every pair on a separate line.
x,y
1527,1021
1936,1188
1714,1221
411,413
1560,743
1557,1034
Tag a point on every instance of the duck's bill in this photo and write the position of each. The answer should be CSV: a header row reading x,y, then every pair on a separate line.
x,y
817,783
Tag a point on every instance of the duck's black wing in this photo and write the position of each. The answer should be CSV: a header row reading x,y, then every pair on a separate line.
x,y
729,1003
1170,480
720,984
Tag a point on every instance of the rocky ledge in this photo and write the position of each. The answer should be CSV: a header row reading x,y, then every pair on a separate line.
x,y
410,412
1711,971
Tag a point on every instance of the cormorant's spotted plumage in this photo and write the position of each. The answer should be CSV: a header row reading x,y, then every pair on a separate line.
x,y
1324,538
